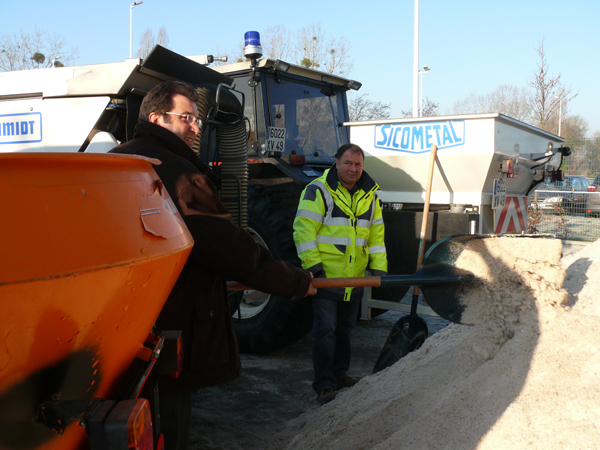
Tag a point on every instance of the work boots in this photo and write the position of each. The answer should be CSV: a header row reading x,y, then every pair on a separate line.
x,y
346,382
325,396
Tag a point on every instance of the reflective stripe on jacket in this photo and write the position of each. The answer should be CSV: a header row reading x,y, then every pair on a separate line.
x,y
340,233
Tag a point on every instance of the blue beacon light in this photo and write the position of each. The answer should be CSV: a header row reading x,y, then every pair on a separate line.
x,y
252,48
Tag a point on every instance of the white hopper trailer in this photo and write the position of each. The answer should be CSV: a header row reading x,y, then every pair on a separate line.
x,y
486,165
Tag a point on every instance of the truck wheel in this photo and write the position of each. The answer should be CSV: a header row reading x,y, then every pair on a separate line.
x,y
266,322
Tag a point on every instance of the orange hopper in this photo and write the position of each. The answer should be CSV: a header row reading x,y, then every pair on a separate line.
x,y
90,246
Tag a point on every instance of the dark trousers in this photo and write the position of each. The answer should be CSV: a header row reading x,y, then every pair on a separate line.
x,y
333,325
175,416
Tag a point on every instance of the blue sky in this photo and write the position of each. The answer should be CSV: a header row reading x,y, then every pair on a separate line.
x,y
470,45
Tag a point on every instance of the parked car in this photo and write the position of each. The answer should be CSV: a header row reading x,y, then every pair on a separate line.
x,y
570,195
593,187
594,197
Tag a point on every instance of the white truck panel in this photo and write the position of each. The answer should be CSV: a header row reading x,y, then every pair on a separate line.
x,y
48,125
96,79
471,149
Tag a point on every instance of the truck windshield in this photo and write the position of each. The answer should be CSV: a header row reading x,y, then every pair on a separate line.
x,y
310,116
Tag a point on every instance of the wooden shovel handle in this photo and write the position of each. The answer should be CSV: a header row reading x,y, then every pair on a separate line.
x,y
321,283
423,236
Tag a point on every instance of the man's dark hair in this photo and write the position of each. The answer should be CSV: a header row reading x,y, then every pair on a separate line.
x,y
352,147
160,98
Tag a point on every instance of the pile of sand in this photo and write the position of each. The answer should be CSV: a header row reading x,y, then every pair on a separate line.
x,y
526,374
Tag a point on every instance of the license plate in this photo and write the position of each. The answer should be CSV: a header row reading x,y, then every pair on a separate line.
x,y
499,198
276,139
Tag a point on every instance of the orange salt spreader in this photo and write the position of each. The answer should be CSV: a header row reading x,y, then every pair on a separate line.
x,y
90,247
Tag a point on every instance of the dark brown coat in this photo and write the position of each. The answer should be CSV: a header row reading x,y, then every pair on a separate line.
x,y
198,304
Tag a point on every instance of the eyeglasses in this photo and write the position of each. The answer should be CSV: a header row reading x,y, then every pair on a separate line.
x,y
189,118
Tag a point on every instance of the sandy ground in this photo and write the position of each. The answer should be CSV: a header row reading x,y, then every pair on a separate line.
x,y
526,374
251,412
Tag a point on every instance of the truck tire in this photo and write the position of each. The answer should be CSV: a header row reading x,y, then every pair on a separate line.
x,y
264,322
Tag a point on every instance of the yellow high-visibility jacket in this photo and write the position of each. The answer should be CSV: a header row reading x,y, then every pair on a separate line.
x,y
338,234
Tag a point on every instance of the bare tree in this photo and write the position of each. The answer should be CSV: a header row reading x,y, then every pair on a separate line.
x,y
540,106
162,38
506,99
238,55
585,155
549,94
510,100
309,47
33,51
574,128
471,104
315,50
361,108
148,41
430,109
337,59
277,42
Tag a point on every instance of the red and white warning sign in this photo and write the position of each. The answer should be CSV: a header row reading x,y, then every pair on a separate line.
x,y
512,218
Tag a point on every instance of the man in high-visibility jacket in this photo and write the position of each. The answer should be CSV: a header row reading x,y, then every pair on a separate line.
x,y
339,232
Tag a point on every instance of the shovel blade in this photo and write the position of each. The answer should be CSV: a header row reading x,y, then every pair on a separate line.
x,y
439,263
401,341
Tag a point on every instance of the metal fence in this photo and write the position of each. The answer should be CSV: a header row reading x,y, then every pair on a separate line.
x,y
570,209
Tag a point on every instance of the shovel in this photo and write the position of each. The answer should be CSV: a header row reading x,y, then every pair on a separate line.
x,y
441,282
409,333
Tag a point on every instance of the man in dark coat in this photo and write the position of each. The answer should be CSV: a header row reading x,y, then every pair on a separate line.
x,y
198,303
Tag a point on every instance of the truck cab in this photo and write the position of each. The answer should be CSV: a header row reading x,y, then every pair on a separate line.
x,y
308,107
295,123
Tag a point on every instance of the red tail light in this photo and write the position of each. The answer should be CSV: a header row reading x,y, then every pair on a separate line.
x,y
297,160
592,188
139,427
130,421
160,443
179,359
170,361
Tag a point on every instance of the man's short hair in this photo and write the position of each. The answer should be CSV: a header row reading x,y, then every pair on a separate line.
x,y
160,98
352,147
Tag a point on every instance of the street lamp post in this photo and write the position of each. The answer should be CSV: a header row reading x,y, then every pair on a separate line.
x,y
559,112
421,72
415,108
139,2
